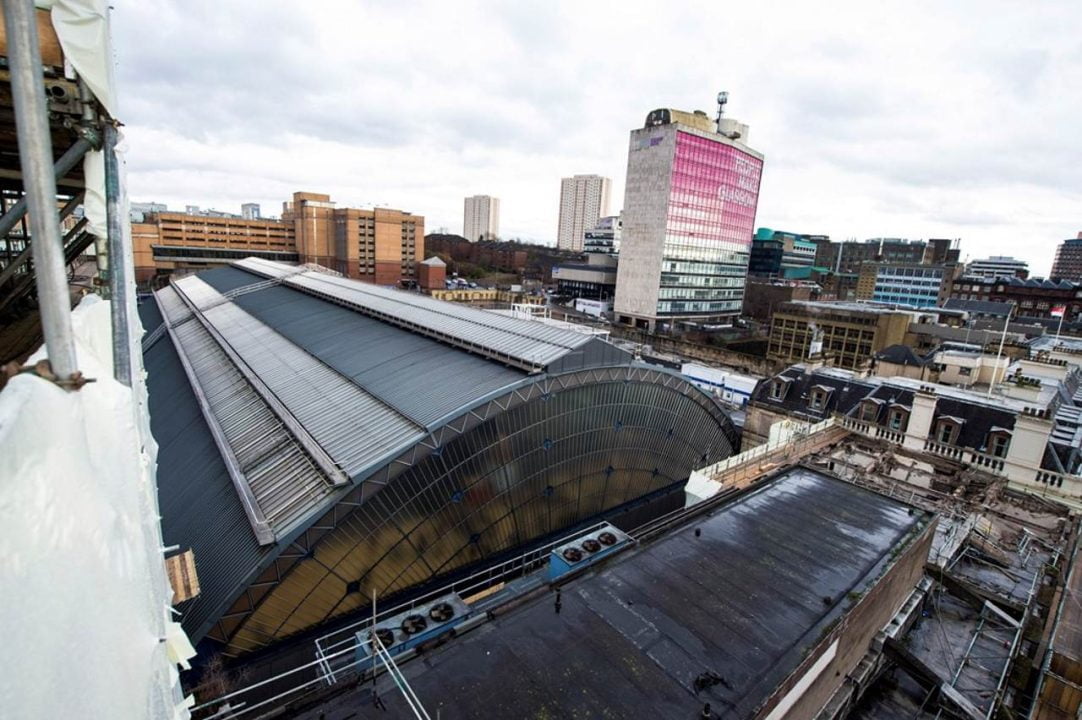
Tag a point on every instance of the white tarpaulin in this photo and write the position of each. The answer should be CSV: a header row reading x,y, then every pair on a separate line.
x,y
83,29
84,599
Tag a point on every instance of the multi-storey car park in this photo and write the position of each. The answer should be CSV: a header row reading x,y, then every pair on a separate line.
x,y
324,439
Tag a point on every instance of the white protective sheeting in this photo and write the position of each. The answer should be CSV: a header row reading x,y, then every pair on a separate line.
x,y
83,29
84,599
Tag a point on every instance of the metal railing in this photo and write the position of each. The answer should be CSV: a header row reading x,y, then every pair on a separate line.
x,y
336,652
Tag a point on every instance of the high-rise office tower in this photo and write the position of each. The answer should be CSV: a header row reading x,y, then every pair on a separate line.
x,y
481,218
689,215
1068,263
997,266
584,199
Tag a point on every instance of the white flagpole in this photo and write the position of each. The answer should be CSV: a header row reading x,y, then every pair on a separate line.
x,y
999,354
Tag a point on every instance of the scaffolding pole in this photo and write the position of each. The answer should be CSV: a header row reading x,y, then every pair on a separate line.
x,y
118,281
22,257
63,166
36,162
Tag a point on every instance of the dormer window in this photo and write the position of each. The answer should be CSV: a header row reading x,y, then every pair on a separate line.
x,y
898,418
817,400
869,411
947,430
999,442
779,388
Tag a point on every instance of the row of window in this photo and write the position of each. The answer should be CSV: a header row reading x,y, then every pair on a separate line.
x,y
947,430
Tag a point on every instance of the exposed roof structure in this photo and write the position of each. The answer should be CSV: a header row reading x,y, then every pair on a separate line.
x,y
734,593
289,403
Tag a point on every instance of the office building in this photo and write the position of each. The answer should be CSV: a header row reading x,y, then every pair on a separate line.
x,y
381,245
762,295
139,210
910,284
774,253
997,266
481,218
1032,297
1025,427
166,243
689,216
593,277
322,439
848,334
250,211
584,199
604,237
848,256
1068,262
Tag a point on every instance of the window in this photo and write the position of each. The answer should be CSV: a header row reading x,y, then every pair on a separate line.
x,y
777,391
870,411
945,432
965,372
818,399
897,420
998,444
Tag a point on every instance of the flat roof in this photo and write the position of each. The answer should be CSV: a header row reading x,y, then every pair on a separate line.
x,y
771,572
847,306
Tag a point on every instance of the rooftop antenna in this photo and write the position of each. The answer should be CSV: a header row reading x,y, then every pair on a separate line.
x,y
726,128
723,98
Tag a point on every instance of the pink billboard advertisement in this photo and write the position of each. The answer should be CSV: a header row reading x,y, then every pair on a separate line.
x,y
714,192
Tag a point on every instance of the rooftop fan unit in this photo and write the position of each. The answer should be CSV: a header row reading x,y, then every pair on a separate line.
x,y
406,630
585,549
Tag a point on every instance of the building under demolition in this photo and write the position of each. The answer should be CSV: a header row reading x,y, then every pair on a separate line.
x,y
323,440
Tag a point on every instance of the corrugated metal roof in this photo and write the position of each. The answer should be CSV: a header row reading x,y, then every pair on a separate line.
x,y
283,370
172,306
393,364
525,344
355,428
274,477
199,506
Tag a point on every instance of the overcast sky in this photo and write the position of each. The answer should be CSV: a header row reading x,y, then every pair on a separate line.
x,y
921,119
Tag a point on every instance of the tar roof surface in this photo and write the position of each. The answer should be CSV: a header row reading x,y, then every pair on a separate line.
x,y
744,600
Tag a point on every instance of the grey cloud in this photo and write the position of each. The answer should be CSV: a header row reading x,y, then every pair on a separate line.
x,y
920,118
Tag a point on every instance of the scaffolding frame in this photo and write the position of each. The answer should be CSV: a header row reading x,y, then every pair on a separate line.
x,y
41,258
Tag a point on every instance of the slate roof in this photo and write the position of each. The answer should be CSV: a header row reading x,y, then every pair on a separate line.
x,y
901,355
978,418
848,392
978,421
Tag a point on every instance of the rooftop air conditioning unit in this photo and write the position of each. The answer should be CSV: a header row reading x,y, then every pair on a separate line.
x,y
406,630
586,549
